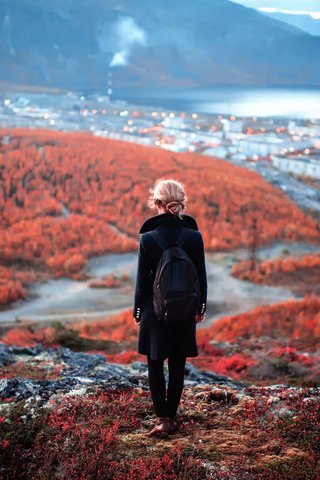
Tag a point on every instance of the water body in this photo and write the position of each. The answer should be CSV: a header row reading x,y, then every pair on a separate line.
x,y
65,299
300,103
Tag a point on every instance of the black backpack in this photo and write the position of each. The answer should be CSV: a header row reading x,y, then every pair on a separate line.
x,y
176,287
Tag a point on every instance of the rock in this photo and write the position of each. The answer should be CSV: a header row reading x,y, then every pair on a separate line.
x,y
272,400
6,358
8,353
278,386
282,412
17,350
202,376
21,387
83,370
79,359
140,367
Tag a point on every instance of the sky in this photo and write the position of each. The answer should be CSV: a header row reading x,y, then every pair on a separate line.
x,y
310,7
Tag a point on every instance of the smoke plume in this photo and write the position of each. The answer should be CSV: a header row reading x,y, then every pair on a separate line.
x,y
127,35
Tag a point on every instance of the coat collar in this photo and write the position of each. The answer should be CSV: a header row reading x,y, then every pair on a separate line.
x,y
168,220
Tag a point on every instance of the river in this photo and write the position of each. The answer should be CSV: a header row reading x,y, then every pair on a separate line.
x,y
285,102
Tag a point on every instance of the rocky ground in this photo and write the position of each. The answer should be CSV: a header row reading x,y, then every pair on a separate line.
x,y
71,415
38,371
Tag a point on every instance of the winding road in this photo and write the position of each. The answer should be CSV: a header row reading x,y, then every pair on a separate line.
x,y
66,299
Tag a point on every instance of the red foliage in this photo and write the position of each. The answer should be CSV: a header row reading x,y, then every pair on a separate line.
x,y
266,268
125,357
20,336
81,437
118,328
233,366
59,192
292,319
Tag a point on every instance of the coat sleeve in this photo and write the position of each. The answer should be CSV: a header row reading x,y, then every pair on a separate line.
x,y
142,280
199,262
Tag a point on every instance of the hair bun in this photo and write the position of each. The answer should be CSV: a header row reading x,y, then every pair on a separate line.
x,y
173,203
175,206
170,194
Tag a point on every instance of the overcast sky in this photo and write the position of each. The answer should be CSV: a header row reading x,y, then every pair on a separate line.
x,y
293,6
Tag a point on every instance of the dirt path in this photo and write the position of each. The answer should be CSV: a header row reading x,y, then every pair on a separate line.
x,y
65,299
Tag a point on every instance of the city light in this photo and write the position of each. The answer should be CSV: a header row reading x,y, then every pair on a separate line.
x,y
216,135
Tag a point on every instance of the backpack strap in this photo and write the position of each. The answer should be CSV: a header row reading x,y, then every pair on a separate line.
x,y
163,243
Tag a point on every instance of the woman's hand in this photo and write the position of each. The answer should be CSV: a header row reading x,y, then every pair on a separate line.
x,y
136,321
199,317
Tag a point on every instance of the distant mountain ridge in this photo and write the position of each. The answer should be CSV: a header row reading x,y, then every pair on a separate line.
x,y
304,22
184,44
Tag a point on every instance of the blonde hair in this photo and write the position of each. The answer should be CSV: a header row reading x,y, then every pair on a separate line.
x,y
170,194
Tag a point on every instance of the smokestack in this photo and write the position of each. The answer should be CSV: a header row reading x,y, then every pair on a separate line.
x,y
109,89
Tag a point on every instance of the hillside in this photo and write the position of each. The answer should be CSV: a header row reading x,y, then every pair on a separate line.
x,y
67,197
181,44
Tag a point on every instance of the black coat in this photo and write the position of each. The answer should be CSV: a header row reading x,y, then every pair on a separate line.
x,y
156,338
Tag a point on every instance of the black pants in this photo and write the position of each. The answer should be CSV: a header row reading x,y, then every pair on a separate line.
x,y
166,407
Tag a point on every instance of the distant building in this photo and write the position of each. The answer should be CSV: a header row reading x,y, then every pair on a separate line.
x,y
232,126
268,144
298,165
219,152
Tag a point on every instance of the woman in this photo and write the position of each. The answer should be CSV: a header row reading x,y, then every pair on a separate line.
x,y
156,339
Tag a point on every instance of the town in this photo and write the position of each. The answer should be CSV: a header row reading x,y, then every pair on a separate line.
x,y
285,151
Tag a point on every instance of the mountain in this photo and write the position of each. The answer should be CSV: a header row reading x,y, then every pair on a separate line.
x,y
70,44
304,22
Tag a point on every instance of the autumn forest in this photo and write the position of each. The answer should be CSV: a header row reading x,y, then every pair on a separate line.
x,y
67,197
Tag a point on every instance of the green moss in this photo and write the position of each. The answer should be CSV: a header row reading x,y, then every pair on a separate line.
x,y
281,364
208,452
303,432
291,469
70,338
